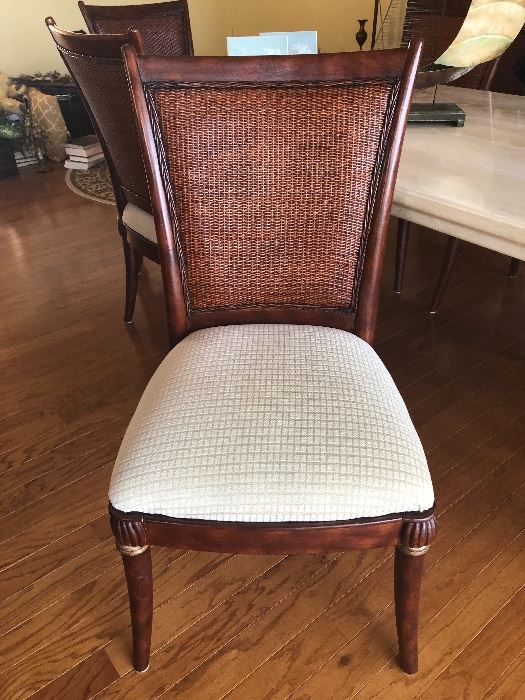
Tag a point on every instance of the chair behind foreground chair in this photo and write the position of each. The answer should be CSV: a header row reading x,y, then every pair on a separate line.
x,y
272,426
96,65
164,26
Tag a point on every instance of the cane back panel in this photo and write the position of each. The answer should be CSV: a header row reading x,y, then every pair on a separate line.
x,y
104,86
271,188
165,30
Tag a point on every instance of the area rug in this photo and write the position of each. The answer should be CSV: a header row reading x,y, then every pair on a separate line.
x,y
94,183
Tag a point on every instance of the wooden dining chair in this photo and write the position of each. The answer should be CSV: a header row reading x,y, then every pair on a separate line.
x,y
165,26
96,65
438,24
272,426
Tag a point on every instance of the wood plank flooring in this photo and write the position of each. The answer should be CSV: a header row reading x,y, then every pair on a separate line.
x,y
239,627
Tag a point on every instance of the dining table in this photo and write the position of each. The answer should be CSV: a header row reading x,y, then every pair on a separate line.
x,y
468,182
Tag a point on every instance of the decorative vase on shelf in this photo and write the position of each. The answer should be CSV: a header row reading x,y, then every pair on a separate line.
x,y
361,34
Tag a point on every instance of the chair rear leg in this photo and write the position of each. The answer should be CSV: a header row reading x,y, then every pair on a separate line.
x,y
139,578
403,231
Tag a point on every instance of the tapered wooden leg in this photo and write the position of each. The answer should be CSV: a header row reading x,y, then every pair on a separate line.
x,y
133,260
140,589
403,231
453,245
513,269
408,570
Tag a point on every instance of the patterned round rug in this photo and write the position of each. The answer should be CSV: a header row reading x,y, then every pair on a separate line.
x,y
94,183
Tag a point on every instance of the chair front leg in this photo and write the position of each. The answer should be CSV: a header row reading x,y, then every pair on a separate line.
x,y
136,557
140,590
408,571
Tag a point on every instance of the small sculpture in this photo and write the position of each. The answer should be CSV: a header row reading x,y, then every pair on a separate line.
x,y
7,94
489,29
361,35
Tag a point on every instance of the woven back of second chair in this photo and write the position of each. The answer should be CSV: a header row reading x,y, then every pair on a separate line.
x,y
272,188
164,26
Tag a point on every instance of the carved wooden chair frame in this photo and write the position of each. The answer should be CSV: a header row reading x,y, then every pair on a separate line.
x,y
410,533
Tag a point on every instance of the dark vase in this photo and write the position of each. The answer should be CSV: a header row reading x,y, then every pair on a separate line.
x,y
361,35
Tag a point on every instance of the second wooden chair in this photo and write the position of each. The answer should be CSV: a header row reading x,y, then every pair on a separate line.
x,y
164,26
96,65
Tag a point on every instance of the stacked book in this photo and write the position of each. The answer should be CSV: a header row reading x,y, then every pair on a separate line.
x,y
83,153
23,159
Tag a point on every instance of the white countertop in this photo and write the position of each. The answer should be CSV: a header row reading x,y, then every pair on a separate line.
x,y
468,182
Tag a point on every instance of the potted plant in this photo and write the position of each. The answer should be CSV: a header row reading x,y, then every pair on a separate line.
x,y
11,140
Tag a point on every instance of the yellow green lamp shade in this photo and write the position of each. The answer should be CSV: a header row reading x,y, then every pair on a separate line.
x,y
488,30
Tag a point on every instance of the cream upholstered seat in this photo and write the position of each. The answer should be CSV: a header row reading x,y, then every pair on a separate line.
x,y
271,423
139,221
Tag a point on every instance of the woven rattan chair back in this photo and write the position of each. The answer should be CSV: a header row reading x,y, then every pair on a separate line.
x,y
96,65
164,26
438,24
273,172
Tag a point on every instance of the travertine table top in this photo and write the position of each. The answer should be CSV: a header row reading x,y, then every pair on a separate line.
x,y
468,182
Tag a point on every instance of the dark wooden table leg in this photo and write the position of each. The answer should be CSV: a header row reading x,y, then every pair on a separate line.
x,y
514,266
403,231
408,570
453,246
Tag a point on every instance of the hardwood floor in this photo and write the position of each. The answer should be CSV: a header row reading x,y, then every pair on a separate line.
x,y
240,627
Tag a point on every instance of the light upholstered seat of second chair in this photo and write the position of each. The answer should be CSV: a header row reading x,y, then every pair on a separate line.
x,y
271,423
139,221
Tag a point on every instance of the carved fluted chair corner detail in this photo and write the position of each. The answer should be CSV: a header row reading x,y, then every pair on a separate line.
x,y
272,426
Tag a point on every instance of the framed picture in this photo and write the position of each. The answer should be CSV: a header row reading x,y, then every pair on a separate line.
x,y
263,45
298,42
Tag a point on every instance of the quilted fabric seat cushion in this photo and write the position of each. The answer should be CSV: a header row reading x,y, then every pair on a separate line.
x,y
271,423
